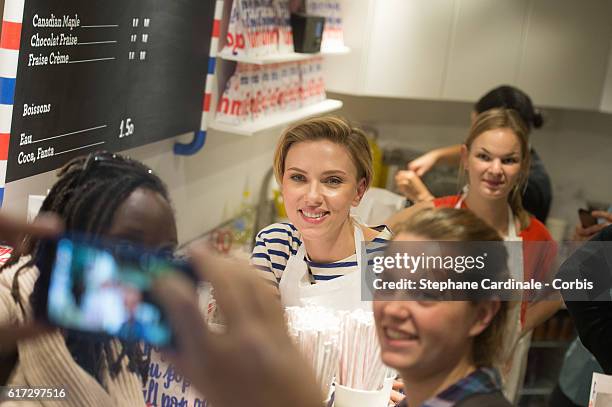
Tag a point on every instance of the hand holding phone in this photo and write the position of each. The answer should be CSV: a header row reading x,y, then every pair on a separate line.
x,y
103,287
586,219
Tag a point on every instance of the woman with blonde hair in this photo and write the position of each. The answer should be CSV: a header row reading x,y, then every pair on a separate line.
x,y
537,194
324,167
446,350
495,161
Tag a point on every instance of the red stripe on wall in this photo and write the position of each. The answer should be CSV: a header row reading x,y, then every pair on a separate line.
x,y
4,145
216,28
11,34
207,102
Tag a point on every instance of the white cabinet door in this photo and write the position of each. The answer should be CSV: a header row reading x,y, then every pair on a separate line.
x,y
344,73
408,48
566,51
606,97
485,47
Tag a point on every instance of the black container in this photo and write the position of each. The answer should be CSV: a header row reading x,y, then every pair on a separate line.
x,y
307,32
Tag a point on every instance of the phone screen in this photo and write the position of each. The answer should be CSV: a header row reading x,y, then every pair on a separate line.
x,y
104,288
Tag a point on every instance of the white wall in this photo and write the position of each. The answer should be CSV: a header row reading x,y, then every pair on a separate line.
x,y
606,97
205,188
576,146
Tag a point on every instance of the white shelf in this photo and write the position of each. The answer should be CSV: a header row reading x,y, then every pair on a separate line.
x,y
277,119
278,58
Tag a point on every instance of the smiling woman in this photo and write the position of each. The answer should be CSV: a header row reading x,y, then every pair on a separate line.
x,y
446,351
324,166
495,162
100,195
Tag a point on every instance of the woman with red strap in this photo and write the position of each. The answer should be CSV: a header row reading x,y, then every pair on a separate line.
x,y
495,159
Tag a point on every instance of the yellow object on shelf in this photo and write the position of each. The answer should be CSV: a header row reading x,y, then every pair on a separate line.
x,y
379,176
279,204
242,226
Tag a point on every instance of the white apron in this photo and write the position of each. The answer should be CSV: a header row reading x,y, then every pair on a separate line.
x,y
341,293
519,346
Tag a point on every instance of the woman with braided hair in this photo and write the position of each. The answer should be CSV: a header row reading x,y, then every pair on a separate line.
x,y
102,194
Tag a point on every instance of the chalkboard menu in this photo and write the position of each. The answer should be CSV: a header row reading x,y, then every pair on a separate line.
x,y
105,74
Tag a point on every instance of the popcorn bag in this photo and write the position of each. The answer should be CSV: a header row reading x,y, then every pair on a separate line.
x,y
303,91
333,37
311,80
318,92
275,95
283,91
253,20
285,33
312,89
265,99
294,82
256,91
270,28
246,91
256,94
235,40
233,106
258,28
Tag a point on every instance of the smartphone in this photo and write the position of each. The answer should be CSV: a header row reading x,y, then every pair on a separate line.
x,y
103,287
586,219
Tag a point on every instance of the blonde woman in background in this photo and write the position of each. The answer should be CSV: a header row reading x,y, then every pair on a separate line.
x,y
537,194
495,158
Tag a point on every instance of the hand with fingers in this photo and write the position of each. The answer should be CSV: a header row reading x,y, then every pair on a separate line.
x,y
412,187
423,163
254,349
581,233
12,232
397,392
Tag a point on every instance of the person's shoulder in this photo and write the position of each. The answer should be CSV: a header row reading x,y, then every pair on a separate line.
x,y
278,237
279,230
383,234
377,234
27,279
8,274
536,231
495,399
605,235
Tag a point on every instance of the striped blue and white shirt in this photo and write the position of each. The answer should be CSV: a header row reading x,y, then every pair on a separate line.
x,y
275,243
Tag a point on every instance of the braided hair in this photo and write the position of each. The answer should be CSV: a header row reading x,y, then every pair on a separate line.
x,y
86,196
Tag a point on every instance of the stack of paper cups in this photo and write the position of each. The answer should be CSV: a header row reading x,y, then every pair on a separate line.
x,y
347,397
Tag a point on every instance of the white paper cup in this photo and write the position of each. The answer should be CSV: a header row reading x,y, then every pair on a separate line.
x,y
347,397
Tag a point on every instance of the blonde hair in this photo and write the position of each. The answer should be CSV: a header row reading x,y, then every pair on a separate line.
x,y
332,128
463,225
505,119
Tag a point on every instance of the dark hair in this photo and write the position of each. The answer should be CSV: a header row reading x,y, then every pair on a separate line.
x,y
513,98
86,195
